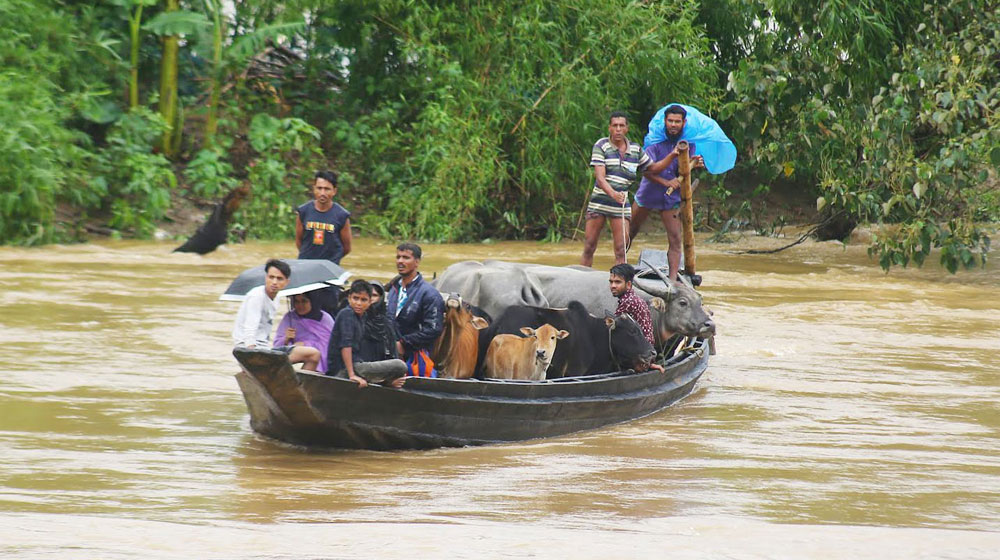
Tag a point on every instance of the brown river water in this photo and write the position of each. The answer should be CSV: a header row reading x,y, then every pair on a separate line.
x,y
848,413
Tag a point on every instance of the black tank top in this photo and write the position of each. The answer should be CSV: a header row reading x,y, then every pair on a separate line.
x,y
321,232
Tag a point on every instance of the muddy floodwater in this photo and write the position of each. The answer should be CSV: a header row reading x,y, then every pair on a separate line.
x,y
847,414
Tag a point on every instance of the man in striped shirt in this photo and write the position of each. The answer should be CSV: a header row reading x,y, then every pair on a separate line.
x,y
616,162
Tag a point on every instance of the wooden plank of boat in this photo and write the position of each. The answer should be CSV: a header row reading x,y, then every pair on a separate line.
x,y
306,408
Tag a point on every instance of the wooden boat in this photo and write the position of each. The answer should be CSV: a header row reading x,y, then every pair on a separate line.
x,y
306,408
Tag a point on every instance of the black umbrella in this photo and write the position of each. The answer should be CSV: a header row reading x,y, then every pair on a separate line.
x,y
307,275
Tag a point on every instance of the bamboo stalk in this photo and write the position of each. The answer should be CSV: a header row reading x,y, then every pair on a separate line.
x,y
687,208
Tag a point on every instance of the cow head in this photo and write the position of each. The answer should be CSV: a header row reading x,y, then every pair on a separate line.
x,y
628,345
456,348
680,310
546,337
459,312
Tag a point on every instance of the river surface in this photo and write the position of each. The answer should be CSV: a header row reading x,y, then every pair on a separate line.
x,y
848,414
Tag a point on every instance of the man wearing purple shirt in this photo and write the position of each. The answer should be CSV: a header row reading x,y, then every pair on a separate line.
x,y
660,192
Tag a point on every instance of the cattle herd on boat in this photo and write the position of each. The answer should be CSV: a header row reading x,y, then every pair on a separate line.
x,y
492,319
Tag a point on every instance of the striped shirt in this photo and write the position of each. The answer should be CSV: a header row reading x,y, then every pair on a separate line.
x,y
620,172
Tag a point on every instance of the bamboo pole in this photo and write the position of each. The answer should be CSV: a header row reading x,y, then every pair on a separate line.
x,y
168,84
687,208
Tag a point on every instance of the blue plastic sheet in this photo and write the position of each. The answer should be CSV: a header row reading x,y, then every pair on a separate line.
x,y
710,142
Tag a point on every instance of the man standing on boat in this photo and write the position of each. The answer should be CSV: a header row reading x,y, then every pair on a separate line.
x,y
256,317
629,303
616,162
323,231
661,191
418,311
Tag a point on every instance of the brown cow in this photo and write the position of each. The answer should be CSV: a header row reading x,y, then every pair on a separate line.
x,y
513,357
457,349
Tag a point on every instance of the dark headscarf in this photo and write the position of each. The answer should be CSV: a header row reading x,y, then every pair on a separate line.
x,y
315,312
378,329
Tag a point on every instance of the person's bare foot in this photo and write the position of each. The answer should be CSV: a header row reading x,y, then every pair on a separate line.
x,y
398,382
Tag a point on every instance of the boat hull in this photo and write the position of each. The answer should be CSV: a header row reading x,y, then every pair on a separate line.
x,y
310,409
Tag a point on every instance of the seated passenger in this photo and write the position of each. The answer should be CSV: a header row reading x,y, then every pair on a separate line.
x,y
629,303
256,315
379,340
306,325
344,354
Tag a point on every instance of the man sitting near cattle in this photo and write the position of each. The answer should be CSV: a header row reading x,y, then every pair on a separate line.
x,y
417,310
630,304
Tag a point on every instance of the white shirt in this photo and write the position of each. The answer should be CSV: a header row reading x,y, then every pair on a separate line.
x,y
255,319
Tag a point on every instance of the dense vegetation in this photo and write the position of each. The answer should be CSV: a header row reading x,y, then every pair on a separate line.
x,y
467,120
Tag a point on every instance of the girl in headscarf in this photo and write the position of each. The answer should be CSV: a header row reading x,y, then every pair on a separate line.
x,y
306,325
379,340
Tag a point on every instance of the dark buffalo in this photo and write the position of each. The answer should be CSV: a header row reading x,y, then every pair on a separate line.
x,y
594,345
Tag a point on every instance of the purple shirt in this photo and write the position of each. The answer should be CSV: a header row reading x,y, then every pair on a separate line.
x,y
653,195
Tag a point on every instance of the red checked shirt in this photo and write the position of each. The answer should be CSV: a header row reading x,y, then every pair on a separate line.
x,y
638,309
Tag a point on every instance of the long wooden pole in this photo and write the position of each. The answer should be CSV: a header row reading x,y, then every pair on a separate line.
x,y
687,208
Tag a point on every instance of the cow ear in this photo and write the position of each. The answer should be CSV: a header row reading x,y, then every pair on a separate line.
x,y
527,331
610,322
563,334
479,323
658,304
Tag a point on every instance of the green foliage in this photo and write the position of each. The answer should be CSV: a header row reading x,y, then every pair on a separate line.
x,y
926,141
44,84
477,120
209,174
180,22
30,159
888,108
465,120
288,154
138,181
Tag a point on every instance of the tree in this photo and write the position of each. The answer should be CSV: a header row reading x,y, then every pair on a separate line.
x,y
134,15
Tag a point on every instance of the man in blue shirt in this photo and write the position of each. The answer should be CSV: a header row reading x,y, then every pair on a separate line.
x,y
661,191
414,305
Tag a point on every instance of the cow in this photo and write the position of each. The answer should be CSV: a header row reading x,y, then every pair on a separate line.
x,y
597,345
527,358
495,285
456,351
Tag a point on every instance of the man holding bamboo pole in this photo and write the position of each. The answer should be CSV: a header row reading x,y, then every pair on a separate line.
x,y
660,191
616,162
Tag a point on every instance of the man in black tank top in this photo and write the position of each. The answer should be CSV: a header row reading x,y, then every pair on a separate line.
x,y
323,227
323,231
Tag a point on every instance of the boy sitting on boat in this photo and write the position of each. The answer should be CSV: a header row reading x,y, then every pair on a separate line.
x,y
345,354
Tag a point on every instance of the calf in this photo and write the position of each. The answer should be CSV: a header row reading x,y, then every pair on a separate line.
x,y
457,349
513,357
598,345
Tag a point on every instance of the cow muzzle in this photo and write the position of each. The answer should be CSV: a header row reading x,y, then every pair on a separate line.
x,y
642,362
